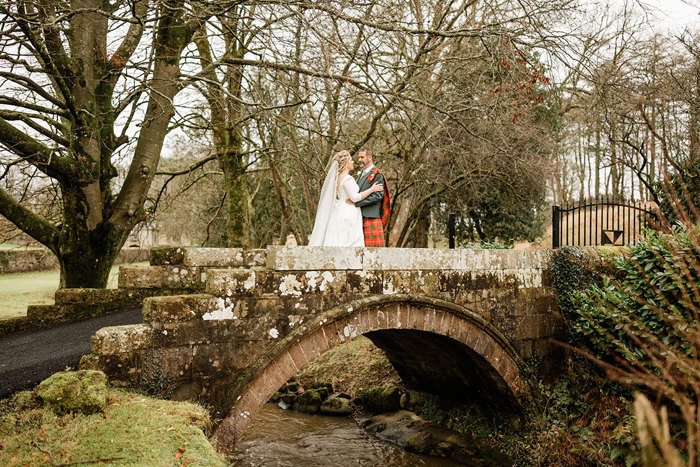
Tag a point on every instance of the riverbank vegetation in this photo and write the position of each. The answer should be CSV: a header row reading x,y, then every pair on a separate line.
x,y
132,429
578,420
642,327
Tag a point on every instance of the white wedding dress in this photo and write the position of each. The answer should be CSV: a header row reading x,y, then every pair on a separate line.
x,y
337,222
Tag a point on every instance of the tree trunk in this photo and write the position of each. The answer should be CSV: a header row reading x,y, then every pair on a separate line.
x,y
89,267
236,203
597,161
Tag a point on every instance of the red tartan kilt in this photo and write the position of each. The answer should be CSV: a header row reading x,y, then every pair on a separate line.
x,y
374,232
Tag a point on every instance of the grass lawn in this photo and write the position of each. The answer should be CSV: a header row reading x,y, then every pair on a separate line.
x,y
132,430
35,288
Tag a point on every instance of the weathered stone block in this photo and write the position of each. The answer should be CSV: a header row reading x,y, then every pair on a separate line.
x,y
224,257
413,258
524,348
396,282
314,345
327,283
175,308
140,277
365,282
161,256
427,282
454,281
38,313
123,369
119,339
86,296
162,370
227,282
308,306
306,258
285,365
179,333
183,277
229,308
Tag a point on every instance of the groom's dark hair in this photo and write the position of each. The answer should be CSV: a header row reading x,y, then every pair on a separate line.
x,y
367,150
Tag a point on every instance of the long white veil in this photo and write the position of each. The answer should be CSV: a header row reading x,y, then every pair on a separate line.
x,y
325,206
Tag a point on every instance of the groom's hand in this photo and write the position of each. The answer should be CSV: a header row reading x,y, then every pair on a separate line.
x,y
349,201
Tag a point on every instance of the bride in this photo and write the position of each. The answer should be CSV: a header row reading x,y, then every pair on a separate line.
x,y
339,223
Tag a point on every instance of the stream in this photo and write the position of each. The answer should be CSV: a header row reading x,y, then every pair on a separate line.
x,y
286,438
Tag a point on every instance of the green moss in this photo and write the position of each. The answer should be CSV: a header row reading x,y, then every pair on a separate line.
x,y
325,389
312,396
351,366
336,406
74,391
132,430
380,399
25,400
292,386
308,401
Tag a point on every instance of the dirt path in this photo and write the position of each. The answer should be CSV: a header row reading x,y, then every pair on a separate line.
x,y
26,358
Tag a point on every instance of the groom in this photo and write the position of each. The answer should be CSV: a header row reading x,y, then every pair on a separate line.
x,y
375,207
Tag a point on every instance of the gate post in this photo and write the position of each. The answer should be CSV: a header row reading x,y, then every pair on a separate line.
x,y
555,226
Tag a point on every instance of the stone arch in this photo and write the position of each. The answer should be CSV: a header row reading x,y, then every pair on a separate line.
x,y
370,315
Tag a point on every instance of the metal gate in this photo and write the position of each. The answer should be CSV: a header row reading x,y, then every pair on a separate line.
x,y
599,222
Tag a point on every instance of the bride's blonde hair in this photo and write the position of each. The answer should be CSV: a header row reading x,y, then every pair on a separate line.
x,y
342,157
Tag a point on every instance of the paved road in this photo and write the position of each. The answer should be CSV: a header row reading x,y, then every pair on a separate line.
x,y
27,358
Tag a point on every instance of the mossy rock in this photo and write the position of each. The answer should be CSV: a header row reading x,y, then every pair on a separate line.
x,y
308,401
418,441
74,391
380,399
288,398
328,387
336,406
323,392
292,386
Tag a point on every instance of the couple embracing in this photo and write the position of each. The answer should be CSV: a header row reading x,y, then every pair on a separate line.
x,y
352,212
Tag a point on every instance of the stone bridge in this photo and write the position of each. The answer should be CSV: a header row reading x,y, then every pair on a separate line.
x,y
465,324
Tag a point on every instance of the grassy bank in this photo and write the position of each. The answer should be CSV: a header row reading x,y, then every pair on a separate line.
x,y
354,365
19,290
133,430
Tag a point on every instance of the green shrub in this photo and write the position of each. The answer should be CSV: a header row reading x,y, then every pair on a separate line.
x,y
574,270
654,298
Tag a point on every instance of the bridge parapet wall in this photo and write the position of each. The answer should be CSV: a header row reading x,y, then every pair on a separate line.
x,y
199,345
184,268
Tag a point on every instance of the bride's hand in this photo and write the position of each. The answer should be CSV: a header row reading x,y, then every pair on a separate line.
x,y
377,187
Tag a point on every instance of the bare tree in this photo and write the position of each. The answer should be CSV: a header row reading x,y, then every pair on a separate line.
x,y
75,73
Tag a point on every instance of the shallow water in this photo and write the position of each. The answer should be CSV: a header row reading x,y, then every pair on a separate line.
x,y
285,438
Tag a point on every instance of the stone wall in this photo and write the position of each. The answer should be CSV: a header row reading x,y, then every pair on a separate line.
x,y
41,259
135,284
26,260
